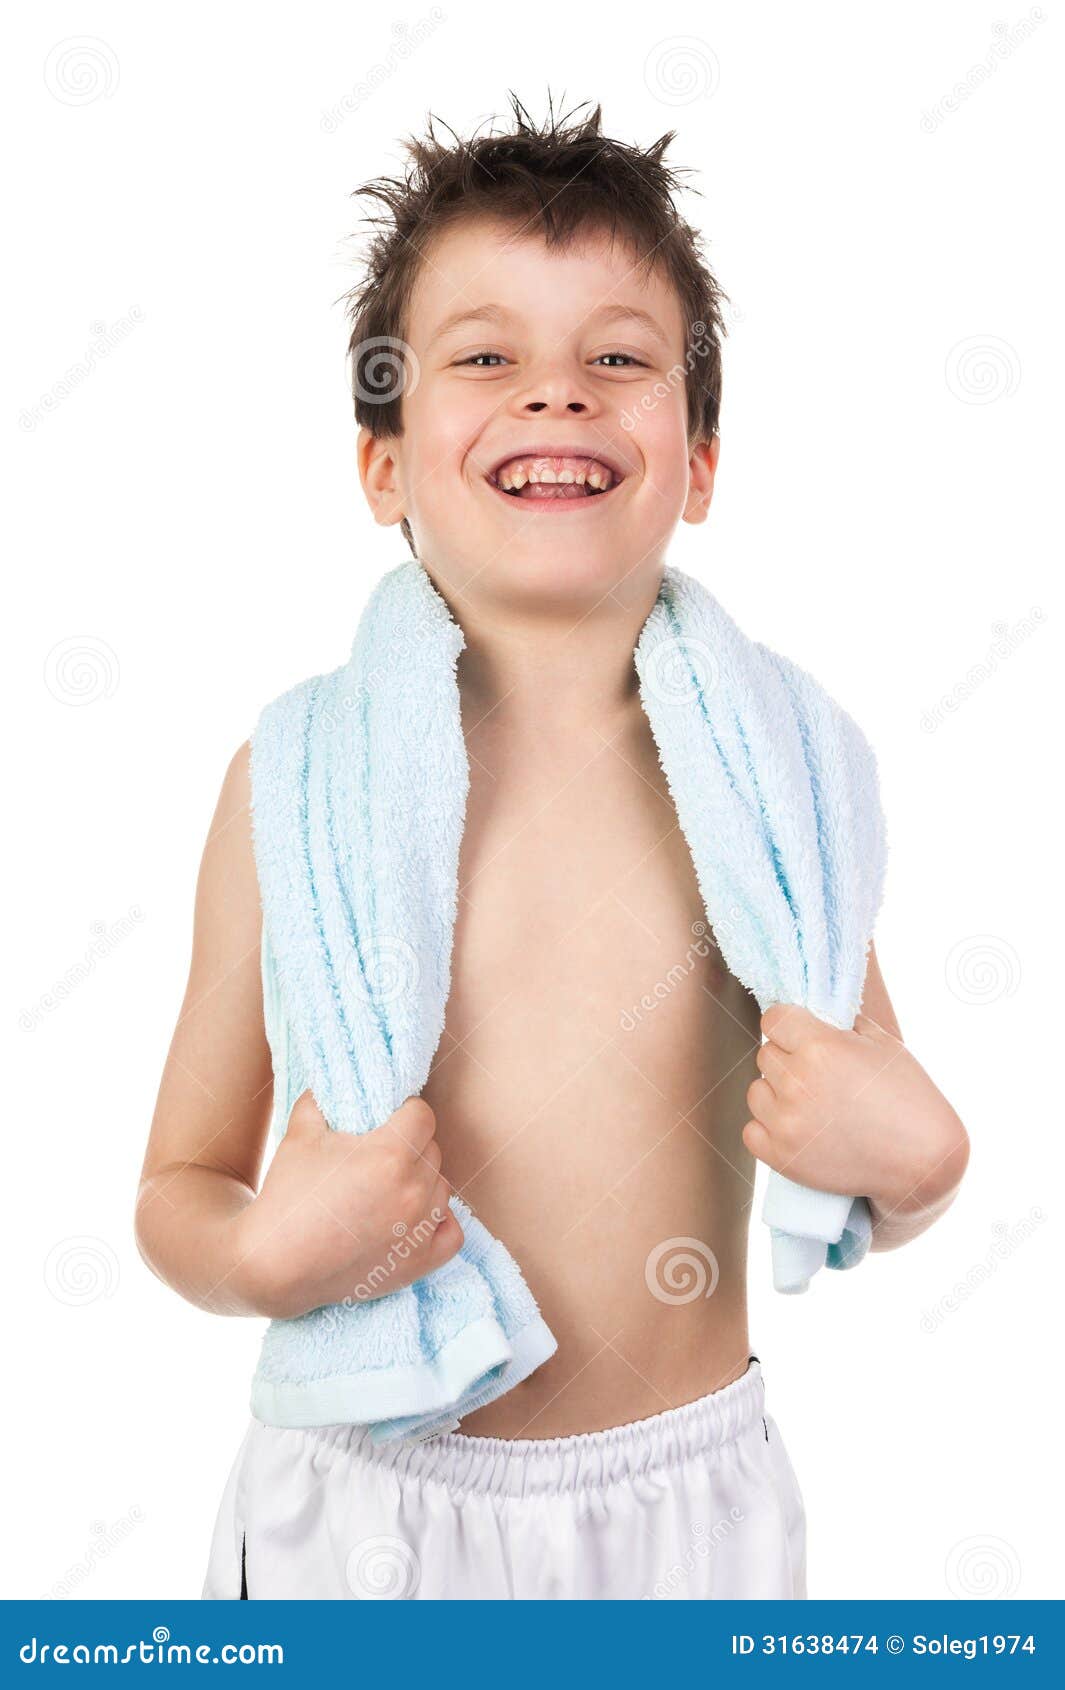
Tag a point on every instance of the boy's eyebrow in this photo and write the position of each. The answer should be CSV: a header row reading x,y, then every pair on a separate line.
x,y
611,313
492,313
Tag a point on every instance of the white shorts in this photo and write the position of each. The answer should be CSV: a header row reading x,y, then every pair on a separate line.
x,y
698,1502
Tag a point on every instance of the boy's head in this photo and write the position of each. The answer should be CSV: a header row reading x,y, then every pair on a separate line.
x,y
536,295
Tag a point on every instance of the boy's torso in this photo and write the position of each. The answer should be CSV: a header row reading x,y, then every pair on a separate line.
x,y
590,1083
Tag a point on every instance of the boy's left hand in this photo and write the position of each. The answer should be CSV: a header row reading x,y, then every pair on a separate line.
x,y
851,1112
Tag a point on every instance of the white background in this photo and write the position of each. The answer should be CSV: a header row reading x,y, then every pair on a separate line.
x,y
188,517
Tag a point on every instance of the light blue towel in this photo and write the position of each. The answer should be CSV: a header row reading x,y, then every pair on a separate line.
x,y
359,786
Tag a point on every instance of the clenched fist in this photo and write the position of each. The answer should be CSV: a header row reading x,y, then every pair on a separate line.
x,y
346,1215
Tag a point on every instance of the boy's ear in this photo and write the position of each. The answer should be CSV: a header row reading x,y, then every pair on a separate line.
x,y
702,469
379,473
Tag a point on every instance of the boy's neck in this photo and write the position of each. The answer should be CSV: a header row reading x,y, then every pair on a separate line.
x,y
549,672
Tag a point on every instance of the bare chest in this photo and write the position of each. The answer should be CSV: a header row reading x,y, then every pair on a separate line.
x,y
591,1016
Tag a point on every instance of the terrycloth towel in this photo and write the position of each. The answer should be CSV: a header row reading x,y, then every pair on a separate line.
x,y
359,786
777,794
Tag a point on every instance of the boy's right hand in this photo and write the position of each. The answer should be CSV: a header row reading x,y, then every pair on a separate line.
x,y
345,1215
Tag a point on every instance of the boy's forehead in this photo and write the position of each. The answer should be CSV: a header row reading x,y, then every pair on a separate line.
x,y
480,262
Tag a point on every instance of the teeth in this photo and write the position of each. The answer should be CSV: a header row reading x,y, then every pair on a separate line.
x,y
518,473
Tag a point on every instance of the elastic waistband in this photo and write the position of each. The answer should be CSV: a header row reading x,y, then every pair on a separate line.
x,y
520,1466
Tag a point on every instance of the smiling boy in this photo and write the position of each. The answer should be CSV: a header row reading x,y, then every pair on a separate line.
x,y
553,336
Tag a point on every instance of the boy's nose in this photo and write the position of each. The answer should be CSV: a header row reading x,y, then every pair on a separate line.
x,y
562,394
556,385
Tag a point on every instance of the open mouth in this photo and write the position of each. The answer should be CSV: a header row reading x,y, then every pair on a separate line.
x,y
555,483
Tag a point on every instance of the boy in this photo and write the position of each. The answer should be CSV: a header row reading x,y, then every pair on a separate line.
x,y
546,425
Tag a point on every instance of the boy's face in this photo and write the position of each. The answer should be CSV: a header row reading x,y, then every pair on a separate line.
x,y
521,353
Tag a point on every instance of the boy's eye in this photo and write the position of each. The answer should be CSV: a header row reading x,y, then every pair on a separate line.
x,y
475,357
626,355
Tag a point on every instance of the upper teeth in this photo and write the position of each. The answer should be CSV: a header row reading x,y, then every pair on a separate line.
x,y
514,474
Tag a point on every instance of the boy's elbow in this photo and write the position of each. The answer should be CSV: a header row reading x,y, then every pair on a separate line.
x,y
945,1159
142,1226
146,1219
956,1156
931,1196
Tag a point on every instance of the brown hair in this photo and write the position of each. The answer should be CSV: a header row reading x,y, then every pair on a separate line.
x,y
555,180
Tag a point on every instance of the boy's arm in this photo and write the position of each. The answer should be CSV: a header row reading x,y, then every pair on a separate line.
x,y
324,1225
933,1193
212,1114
